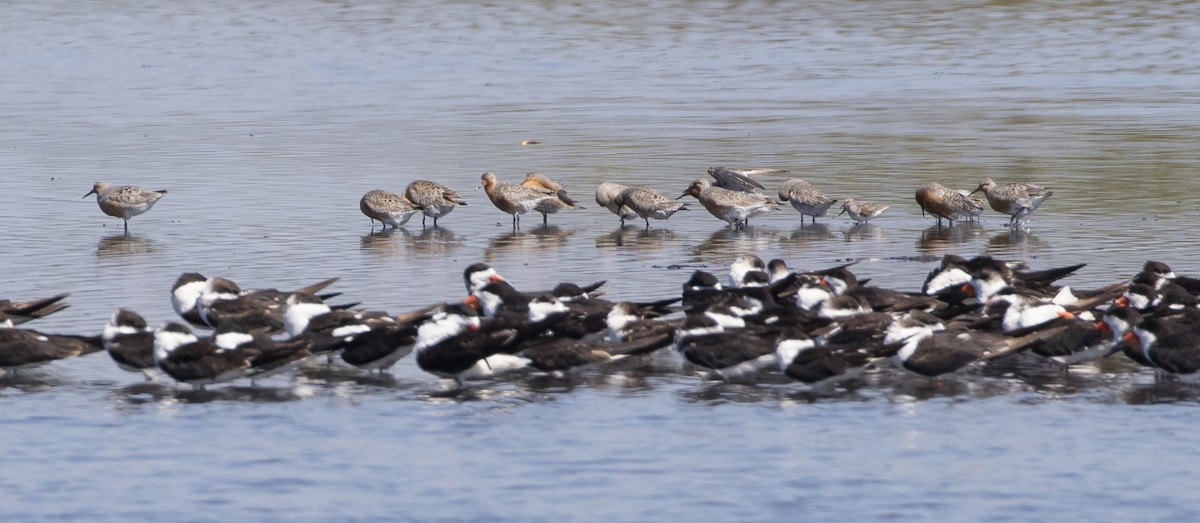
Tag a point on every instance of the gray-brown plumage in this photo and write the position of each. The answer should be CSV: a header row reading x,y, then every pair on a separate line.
x,y
551,205
943,202
733,180
387,207
734,207
512,199
434,199
805,198
648,203
124,201
862,212
1018,200
607,193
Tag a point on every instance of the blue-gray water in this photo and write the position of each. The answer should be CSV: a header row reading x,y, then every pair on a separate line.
x,y
267,121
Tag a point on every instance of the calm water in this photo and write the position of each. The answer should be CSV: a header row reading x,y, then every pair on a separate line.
x,y
267,121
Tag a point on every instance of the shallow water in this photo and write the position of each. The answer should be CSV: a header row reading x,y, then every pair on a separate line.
x,y
267,122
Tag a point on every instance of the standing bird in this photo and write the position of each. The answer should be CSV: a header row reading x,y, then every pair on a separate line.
x,y
1018,200
606,195
648,203
124,201
130,342
734,207
551,205
862,212
943,202
512,199
387,207
434,199
805,198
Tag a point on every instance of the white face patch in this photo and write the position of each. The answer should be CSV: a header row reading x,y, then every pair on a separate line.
x,y
946,280
112,331
481,278
786,350
297,316
490,303
540,310
350,331
230,340
439,329
184,299
810,297
726,321
167,341
1019,316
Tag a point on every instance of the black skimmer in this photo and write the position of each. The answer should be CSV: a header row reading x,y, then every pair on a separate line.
x,y
224,301
22,311
22,349
223,357
185,297
1170,345
934,353
130,342
458,345
721,343
800,358
367,340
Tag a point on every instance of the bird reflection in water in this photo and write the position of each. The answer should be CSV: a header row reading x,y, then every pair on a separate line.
x,y
809,234
1013,241
394,241
538,238
636,237
123,245
167,394
726,244
862,232
939,239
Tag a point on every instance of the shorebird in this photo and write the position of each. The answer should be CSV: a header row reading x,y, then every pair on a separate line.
x,y
805,198
124,201
943,202
734,207
648,203
735,180
512,199
862,212
606,195
387,207
434,199
1018,200
551,205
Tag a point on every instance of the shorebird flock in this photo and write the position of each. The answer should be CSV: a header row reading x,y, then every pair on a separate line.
x,y
821,328
733,196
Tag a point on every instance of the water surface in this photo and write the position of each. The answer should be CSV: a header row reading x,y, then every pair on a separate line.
x,y
267,121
